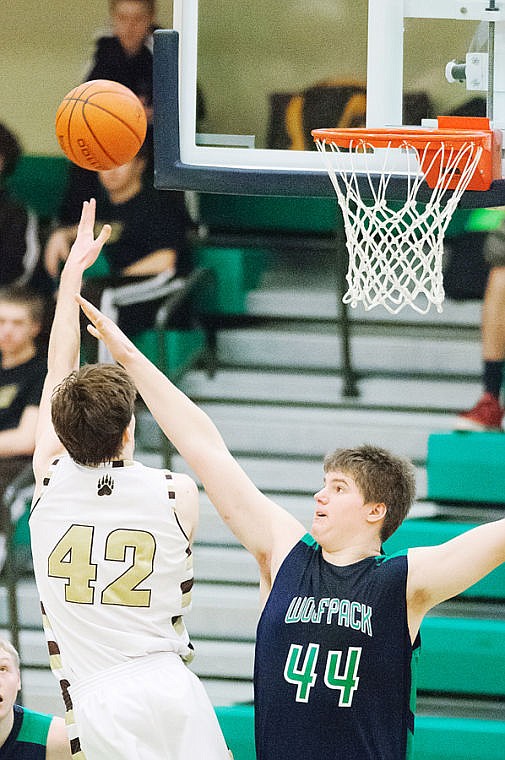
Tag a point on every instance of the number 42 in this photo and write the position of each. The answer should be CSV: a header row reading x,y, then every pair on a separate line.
x,y
304,675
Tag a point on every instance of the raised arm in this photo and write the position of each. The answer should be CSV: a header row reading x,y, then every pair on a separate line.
x,y
263,527
437,573
64,341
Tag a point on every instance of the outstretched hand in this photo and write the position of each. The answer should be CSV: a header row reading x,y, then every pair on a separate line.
x,y
105,329
86,248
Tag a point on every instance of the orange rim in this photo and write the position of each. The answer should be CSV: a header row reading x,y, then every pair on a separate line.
x,y
397,138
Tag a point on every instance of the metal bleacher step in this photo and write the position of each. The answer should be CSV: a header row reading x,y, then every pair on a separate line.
x,y
308,432
318,347
316,297
295,431
232,385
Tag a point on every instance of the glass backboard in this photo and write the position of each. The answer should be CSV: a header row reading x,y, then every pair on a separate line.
x,y
239,85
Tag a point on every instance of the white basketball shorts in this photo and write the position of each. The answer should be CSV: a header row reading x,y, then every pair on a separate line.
x,y
152,708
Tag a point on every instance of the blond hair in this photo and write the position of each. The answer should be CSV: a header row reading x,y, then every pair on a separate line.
x,y
7,647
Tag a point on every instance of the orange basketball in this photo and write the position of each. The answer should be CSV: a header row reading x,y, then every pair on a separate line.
x,y
100,125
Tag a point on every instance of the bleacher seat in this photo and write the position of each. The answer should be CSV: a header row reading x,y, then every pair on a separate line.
x,y
435,738
466,467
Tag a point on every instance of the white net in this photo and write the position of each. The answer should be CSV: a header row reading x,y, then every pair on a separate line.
x,y
395,249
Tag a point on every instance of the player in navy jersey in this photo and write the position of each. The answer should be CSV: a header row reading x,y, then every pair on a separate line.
x,y
338,638
26,734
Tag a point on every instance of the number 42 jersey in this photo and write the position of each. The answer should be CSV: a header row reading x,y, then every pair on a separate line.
x,y
334,661
112,565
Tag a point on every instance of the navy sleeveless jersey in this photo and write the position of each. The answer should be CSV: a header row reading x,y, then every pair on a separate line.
x,y
28,737
334,661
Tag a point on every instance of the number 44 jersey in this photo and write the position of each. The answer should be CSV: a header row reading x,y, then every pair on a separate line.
x,y
333,666
112,564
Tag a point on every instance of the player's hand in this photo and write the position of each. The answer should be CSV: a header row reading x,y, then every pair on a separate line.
x,y
86,248
56,252
105,329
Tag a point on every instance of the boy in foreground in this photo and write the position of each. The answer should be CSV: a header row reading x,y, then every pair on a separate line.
x,y
111,544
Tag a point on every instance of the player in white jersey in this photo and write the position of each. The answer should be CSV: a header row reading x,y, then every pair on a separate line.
x,y
111,544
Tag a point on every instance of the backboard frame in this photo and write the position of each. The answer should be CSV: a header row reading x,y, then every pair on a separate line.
x,y
182,164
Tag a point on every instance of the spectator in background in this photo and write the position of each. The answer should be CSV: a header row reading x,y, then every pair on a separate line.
x,y
147,248
19,242
476,269
125,55
25,734
487,414
22,372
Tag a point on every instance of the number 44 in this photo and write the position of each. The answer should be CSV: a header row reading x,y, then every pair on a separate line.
x,y
304,676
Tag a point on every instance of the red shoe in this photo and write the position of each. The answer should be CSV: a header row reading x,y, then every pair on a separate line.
x,y
487,414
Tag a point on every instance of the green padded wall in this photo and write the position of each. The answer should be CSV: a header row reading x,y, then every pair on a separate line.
x,y
236,270
39,182
465,466
182,347
249,212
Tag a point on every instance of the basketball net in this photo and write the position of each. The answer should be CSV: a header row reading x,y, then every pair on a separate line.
x,y
395,250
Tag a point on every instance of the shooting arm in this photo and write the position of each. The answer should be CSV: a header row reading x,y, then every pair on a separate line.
x,y
264,528
64,340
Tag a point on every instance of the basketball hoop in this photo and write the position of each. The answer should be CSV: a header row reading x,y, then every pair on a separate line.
x,y
395,250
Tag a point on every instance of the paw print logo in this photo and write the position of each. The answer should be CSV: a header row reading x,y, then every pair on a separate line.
x,y
105,485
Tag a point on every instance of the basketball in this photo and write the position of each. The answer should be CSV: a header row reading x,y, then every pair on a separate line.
x,y
100,125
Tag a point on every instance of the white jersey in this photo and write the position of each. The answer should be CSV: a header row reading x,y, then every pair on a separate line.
x,y
112,564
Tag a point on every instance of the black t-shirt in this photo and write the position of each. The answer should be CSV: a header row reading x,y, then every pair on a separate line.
x,y
20,387
152,220
13,228
134,71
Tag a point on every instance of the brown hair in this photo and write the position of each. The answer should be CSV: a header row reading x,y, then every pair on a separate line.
x,y
381,477
91,410
35,304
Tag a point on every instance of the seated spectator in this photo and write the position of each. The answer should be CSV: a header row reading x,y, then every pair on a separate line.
x,y
147,249
19,241
25,734
126,54
22,373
